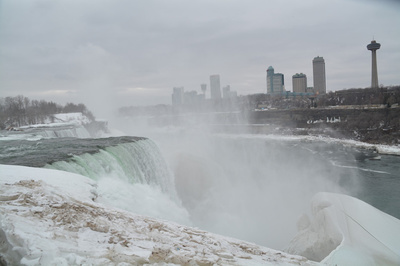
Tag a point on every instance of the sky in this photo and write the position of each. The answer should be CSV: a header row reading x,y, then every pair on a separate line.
x,y
112,53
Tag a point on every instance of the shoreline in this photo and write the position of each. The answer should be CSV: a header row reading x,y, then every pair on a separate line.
x,y
274,131
304,134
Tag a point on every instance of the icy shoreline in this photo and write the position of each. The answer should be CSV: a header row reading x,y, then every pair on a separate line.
x,y
51,217
379,148
75,122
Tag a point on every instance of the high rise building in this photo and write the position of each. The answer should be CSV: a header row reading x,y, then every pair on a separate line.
x,y
373,46
226,91
177,96
203,88
215,87
319,75
299,82
275,82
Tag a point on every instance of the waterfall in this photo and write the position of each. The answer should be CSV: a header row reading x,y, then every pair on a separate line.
x,y
130,172
130,175
74,132
134,162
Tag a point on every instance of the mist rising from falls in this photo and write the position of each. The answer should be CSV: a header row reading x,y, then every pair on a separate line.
x,y
131,176
250,188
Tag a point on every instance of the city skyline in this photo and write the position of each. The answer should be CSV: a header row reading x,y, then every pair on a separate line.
x,y
108,54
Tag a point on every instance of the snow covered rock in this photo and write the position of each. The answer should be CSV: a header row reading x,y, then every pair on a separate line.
x,y
347,231
76,118
50,217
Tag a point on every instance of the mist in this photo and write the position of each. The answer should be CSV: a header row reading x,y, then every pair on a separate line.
x,y
251,187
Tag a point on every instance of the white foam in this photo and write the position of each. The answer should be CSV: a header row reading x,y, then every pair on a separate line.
x,y
359,168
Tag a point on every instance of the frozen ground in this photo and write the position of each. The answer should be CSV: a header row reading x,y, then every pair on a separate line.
x,y
64,119
62,125
380,148
50,217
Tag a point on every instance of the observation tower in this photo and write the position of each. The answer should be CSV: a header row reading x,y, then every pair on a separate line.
x,y
373,46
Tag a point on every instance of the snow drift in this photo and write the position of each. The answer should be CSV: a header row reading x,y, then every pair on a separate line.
x,y
50,217
346,231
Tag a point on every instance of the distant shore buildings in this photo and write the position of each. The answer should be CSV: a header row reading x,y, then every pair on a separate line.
x,y
227,93
276,81
181,97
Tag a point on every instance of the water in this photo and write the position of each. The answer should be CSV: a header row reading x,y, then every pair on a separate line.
x,y
36,133
130,171
46,151
380,187
250,187
237,185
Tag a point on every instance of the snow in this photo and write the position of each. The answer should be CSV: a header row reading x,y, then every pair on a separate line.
x,y
346,231
64,119
63,125
50,217
380,148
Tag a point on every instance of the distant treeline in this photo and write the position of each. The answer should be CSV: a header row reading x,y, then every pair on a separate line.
x,y
19,111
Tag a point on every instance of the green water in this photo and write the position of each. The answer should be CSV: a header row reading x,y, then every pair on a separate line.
x,y
376,182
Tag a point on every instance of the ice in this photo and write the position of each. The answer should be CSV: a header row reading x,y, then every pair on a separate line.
x,y
346,231
50,217
380,148
63,119
62,125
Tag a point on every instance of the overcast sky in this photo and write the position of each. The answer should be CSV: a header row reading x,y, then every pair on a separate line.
x,y
128,52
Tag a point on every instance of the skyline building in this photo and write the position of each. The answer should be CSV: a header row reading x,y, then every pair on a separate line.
x,y
215,87
373,46
203,88
299,82
319,75
275,81
227,93
182,97
177,95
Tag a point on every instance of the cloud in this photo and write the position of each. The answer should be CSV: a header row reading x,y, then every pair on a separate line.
x,y
56,92
103,46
